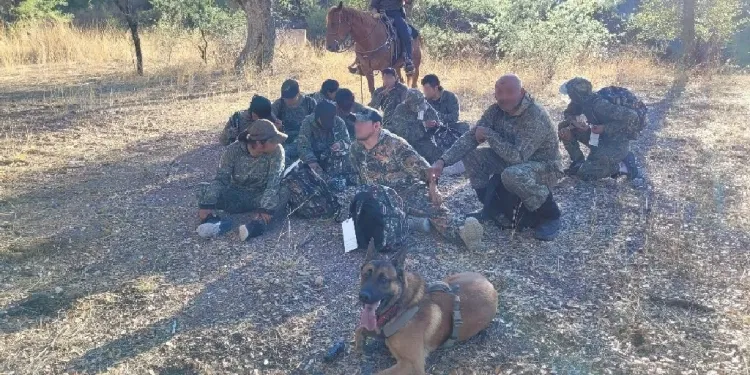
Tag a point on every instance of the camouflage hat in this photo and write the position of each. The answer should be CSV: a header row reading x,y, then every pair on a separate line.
x,y
578,86
369,114
414,99
289,89
264,130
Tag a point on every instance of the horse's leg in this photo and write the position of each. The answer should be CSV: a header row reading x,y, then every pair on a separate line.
x,y
415,77
400,76
370,83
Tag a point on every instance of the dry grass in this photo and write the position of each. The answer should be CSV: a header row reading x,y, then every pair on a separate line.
x,y
100,270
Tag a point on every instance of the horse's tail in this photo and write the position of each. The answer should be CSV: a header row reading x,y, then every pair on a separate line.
x,y
415,34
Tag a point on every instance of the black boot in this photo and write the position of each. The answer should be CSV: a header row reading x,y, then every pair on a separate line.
x,y
481,214
549,220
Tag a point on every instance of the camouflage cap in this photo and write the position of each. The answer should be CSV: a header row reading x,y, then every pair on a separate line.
x,y
264,130
414,98
579,86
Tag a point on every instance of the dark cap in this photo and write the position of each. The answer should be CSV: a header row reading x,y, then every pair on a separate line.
x,y
289,89
369,114
389,72
325,113
264,130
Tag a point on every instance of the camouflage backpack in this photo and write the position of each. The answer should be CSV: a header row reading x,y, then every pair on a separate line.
x,y
624,97
309,195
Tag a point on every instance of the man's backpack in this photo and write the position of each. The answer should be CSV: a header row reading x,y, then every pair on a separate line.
x,y
624,97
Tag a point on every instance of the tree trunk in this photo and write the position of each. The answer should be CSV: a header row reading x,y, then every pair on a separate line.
x,y
261,36
688,32
133,25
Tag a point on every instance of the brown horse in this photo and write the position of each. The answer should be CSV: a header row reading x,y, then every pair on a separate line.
x,y
372,44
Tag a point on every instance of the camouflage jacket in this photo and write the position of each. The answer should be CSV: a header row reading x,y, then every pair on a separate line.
x,y
314,142
600,111
392,162
406,124
258,175
238,123
387,102
527,134
292,118
447,107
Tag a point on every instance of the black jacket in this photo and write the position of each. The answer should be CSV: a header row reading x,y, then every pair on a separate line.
x,y
384,5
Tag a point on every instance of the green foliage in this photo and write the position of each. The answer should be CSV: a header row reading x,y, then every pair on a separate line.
x,y
546,28
661,20
207,16
33,10
316,24
449,43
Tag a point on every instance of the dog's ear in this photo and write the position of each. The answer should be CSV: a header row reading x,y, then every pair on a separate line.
x,y
341,4
399,260
370,255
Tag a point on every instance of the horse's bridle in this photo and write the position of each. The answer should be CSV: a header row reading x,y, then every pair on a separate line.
x,y
338,43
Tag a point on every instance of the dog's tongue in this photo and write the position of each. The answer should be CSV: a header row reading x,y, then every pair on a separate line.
x,y
368,319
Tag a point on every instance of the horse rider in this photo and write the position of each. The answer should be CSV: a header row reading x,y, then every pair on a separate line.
x,y
394,9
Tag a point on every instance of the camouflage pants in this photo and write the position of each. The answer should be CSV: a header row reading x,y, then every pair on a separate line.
x,y
530,181
418,204
232,199
603,160
308,194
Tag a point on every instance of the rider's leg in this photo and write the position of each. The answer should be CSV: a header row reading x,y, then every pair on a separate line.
x,y
402,29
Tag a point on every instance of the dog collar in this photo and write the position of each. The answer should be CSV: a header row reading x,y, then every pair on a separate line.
x,y
388,315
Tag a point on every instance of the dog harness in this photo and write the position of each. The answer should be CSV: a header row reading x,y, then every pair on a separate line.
x,y
390,328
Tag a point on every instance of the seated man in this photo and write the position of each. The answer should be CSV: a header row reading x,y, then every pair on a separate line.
x,y
382,158
346,107
389,96
327,91
444,102
416,121
291,109
324,143
248,180
260,108
609,149
522,149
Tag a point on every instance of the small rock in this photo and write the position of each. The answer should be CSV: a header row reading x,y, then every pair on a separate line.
x,y
318,282
58,290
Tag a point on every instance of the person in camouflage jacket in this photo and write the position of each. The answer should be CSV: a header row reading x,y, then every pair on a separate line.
x,y
248,180
324,144
610,156
522,148
416,122
445,103
260,108
327,91
389,96
291,109
383,158
346,107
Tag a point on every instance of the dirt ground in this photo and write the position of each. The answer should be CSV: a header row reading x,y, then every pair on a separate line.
x,y
101,270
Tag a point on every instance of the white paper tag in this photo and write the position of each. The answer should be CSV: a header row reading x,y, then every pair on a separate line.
x,y
350,235
594,140
290,168
420,115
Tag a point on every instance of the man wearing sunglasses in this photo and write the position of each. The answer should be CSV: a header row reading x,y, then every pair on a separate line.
x,y
248,180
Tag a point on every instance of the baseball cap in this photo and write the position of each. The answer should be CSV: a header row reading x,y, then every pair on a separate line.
x,y
369,114
289,89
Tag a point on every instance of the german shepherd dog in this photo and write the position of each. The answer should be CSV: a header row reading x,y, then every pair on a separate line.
x,y
388,291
